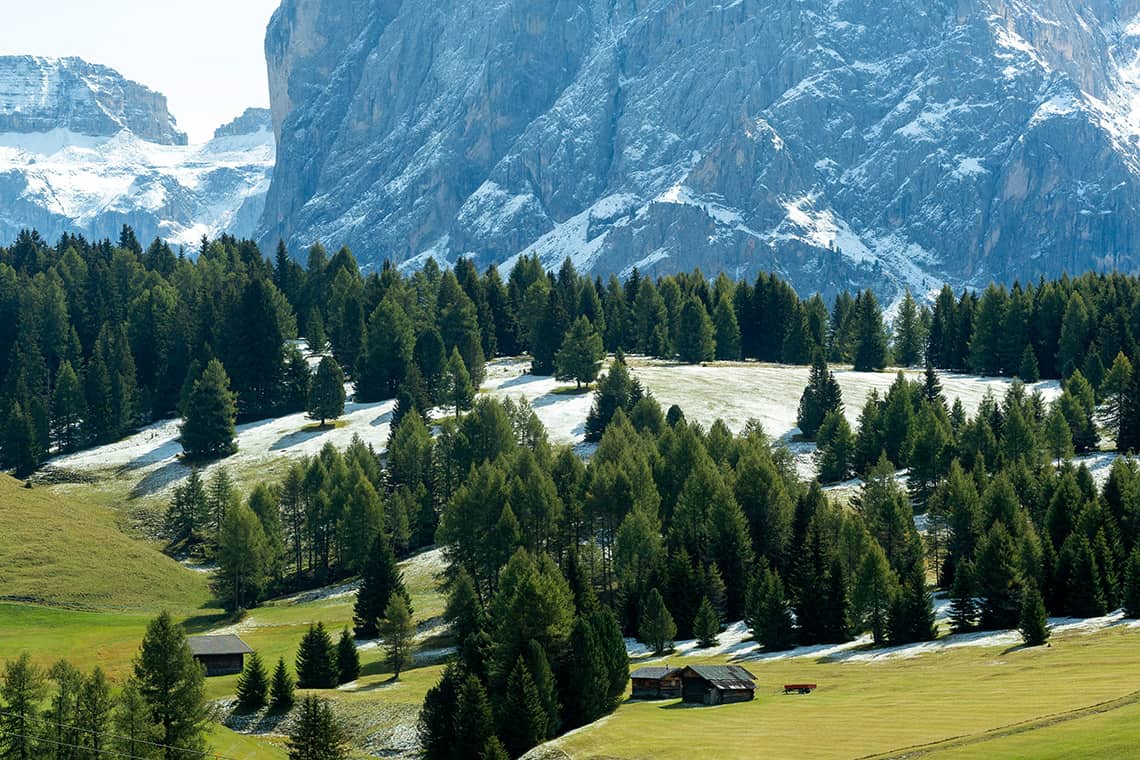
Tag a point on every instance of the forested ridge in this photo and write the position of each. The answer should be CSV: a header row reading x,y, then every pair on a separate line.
x,y
669,530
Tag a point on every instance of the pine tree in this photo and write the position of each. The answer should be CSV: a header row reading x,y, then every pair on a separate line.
x,y
587,680
616,390
135,735
835,446
875,587
580,356
821,397
397,630
208,430
727,330
539,667
870,337
473,725
1114,389
173,684
316,660
1028,371
909,337
347,658
281,690
1132,585
326,396
706,625
963,607
68,408
694,340
523,719
316,733
253,683
380,580
243,559
1033,625
456,388
614,654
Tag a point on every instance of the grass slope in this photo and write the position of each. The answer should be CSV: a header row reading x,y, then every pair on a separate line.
x,y
964,700
58,549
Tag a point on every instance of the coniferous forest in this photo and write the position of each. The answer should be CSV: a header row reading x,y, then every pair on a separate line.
x,y
668,530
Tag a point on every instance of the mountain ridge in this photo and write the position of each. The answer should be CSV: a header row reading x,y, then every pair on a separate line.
x,y
836,144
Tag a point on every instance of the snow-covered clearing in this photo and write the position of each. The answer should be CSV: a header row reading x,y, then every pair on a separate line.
x,y
735,643
734,392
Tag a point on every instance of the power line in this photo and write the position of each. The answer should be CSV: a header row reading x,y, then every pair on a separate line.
x,y
40,739
69,727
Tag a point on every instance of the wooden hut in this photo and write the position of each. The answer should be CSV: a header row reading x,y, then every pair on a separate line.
x,y
221,655
716,684
652,682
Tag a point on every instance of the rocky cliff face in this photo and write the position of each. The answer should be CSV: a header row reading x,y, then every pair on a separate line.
x,y
838,142
84,150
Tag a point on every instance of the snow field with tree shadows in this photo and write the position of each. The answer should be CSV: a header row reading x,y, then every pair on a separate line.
x,y
734,392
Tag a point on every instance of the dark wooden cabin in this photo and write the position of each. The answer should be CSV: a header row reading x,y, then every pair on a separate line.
x,y
660,682
221,655
716,684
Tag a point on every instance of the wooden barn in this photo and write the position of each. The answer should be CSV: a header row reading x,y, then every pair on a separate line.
x,y
660,682
221,655
716,684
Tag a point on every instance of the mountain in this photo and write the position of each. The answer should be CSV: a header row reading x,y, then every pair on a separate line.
x,y
838,142
84,150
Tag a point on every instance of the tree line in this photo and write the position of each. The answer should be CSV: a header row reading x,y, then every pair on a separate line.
x,y
97,338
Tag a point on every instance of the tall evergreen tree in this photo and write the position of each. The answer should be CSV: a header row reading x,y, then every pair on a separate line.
x,y
243,559
347,659
317,733
397,631
909,333
68,409
326,396
523,719
695,341
281,689
727,330
870,336
1033,624
581,354
706,625
316,660
253,683
208,430
21,693
380,580
963,606
821,397
656,628
456,388
173,684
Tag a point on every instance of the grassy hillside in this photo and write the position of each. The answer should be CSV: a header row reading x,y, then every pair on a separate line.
x,y
966,701
59,549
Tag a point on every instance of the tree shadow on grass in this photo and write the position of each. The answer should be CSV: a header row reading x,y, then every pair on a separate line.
x,y
159,479
300,436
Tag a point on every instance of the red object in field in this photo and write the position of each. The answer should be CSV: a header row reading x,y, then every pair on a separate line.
x,y
799,688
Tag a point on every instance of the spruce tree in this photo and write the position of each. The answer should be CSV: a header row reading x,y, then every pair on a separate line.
x,y
539,667
1028,371
1128,429
68,408
281,690
695,342
456,388
347,658
581,354
587,678
870,336
912,614
616,390
208,429
821,397
473,724
963,607
706,625
436,728
317,733
909,335
316,660
1033,624
1131,596
326,396
253,683
522,722
835,446
614,654
727,330
173,685
397,631
379,580
656,628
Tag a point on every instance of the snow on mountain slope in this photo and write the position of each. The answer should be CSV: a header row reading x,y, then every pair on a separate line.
x,y
839,143
84,150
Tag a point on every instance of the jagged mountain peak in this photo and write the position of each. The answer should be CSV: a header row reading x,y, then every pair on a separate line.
x,y
39,94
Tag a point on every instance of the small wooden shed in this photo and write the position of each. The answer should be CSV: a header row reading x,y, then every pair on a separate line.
x,y
716,684
221,655
656,682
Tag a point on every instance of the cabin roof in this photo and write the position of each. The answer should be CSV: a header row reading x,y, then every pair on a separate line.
x,y
724,676
222,644
652,672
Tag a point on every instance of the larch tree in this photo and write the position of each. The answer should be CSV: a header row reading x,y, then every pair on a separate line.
x,y
456,389
397,631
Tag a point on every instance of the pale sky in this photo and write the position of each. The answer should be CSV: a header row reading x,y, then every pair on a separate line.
x,y
206,56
